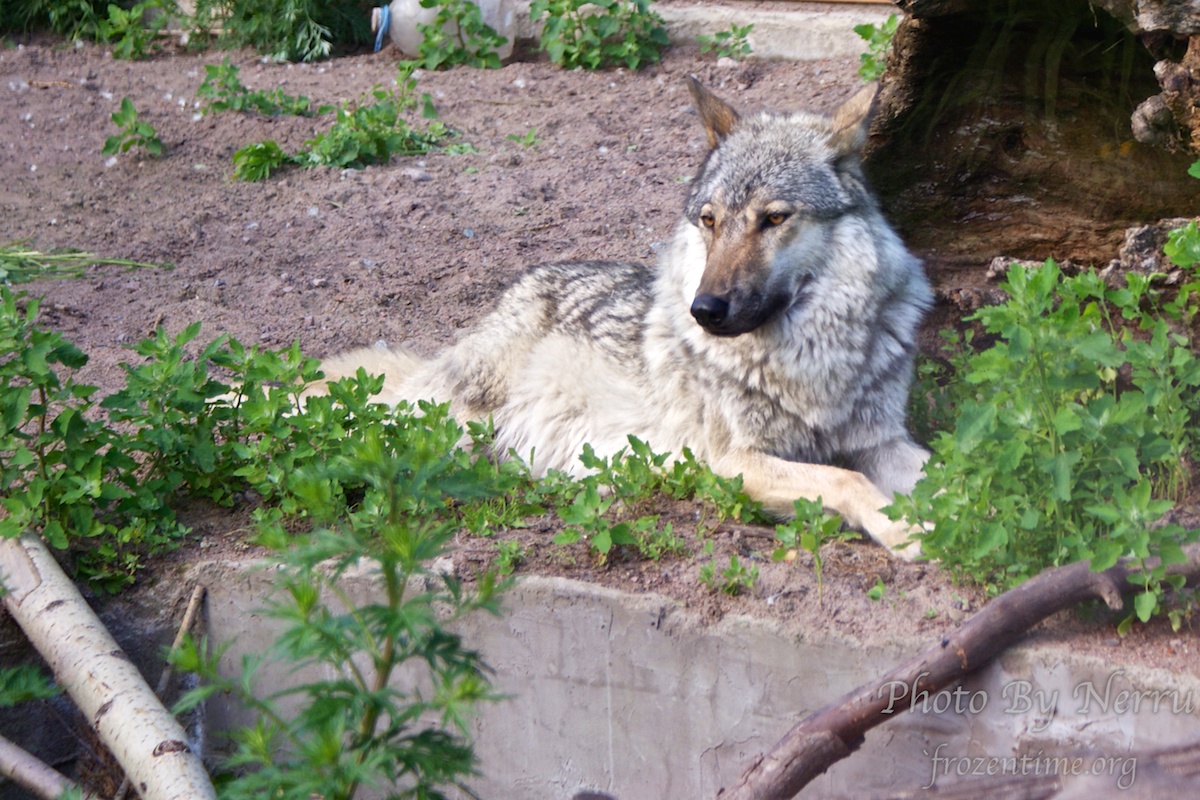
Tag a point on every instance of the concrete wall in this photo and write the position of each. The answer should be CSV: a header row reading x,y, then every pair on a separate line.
x,y
635,696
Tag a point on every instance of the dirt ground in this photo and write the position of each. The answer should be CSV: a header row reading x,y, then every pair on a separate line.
x,y
414,251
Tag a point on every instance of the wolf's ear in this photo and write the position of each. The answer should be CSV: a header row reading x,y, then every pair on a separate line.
x,y
717,115
852,119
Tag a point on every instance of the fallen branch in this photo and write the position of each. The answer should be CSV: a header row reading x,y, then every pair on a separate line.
x,y
32,774
832,733
143,736
164,680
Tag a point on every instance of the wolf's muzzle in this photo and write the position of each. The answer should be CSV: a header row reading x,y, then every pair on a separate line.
x,y
736,314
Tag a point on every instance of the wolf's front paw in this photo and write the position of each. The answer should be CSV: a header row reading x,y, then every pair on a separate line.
x,y
897,535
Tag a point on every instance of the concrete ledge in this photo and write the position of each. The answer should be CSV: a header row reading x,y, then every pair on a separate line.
x,y
799,34
798,31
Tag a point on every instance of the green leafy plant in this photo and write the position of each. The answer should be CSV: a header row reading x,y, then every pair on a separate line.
x,y
1183,244
732,43
286,30
879,42
1071,437
879,589
370,133
362,133
509,554
810,529
458,36
614,504
133,32
396,688
23,683
527,140
585,519
657,542
134,132
63,472
74,19
501,513
101,478
599,33
721,498
256,162
223,90
732,580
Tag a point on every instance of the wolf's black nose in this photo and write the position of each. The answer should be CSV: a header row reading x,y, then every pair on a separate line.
x,y
709,310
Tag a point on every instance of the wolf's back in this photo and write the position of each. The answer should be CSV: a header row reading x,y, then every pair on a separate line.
x,y
394,364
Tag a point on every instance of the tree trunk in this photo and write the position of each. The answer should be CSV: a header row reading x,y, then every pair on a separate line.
x,y
1031,129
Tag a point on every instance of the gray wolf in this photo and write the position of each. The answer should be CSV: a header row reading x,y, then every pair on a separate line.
x,y
775,339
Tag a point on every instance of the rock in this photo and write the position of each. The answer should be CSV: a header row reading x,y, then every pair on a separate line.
x,y
1143,250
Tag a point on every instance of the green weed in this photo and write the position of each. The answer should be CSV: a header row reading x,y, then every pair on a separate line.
x,y
133,32
732,580
134,132
223,90
594,34
63,472
810,529
613,504
23,683
732,43
358,725
585,519
879,42
286,30
879,590
1183,244
509,555
100,478
721,498
1072,434
527,140
74,19
458,36
256,162
362,133
369,133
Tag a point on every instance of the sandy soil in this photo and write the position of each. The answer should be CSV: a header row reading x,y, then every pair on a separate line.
x,y
414,251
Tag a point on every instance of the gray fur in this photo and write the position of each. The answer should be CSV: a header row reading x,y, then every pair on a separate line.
x,y
801,387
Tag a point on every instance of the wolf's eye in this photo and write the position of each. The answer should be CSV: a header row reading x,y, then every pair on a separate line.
x,y
708,220
773,220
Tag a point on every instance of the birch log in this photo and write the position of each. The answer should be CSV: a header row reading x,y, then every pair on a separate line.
x,y
32,774
146,740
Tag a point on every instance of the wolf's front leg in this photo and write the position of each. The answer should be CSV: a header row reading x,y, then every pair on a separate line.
x,y
777,483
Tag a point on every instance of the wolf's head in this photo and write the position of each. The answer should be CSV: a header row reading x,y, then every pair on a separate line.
x,y
764,201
